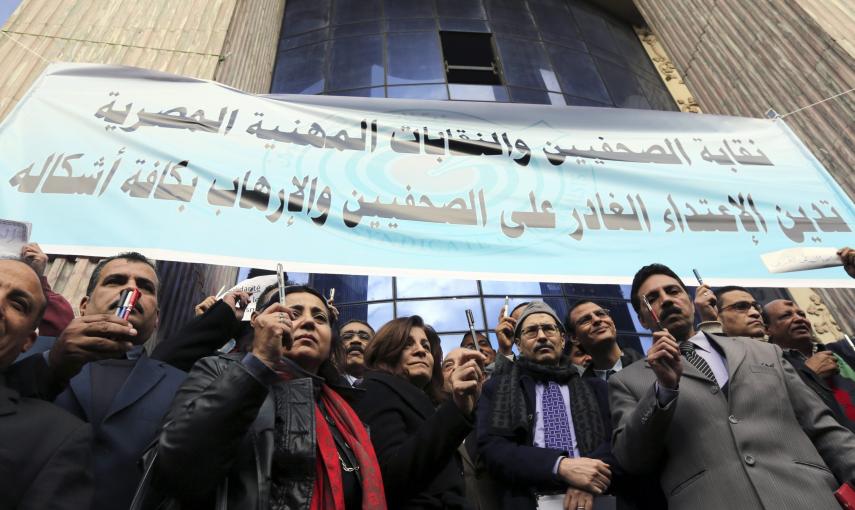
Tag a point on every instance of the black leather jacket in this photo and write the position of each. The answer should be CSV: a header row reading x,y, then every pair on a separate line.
x,y
218,439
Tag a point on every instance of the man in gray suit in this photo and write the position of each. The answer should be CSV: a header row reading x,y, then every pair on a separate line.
x,y
725,422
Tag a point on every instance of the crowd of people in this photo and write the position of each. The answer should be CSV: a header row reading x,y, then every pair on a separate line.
x,y
741,409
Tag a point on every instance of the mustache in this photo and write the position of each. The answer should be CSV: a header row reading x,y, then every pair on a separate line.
x,y
355,347
667,312
137,307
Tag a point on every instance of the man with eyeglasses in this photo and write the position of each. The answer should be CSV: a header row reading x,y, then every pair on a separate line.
x,y
543,431
355,335
591,326
483,346
819,367
739,313
724,422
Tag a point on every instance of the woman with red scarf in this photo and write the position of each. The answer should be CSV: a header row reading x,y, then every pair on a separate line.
x,y
272,428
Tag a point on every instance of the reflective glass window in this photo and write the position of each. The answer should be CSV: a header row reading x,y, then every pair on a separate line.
x,y
465,92
356,62
351,11
581,101
555,22
407,8
510,17
305,15
379,314
369,92
463,25
525,64
362,28
300,71
530,96
444,314
414,58
304,39
501,288
622,86
409,287
578,75
469,9
410,25
438,91
594,29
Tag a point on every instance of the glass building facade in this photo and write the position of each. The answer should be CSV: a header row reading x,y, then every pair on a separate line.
x,y
558,52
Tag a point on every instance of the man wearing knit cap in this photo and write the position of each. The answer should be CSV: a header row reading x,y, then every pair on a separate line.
x,y
543,431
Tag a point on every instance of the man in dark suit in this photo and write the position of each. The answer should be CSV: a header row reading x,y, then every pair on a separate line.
x,y
102,374
542,430
724,422
44,451
591,326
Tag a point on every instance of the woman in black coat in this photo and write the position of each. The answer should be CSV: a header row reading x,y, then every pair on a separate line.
x,y
415,436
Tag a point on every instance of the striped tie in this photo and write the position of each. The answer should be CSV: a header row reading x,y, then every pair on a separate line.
x,y
687,348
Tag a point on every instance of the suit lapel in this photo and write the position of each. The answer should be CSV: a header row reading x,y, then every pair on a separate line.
x,y
8,399
144,376
81,387
733,350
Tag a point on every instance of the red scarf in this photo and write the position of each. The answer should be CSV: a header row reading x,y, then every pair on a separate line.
x,y
328,492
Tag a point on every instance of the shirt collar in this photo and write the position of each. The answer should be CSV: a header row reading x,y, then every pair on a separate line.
x,y
618,366
701,342
135,352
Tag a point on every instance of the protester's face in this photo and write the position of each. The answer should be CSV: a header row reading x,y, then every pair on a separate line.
x,y
538,345
788,323
451,361
21,299
739,315
355,337
484,347
592,325
577,357
116,276
311,334
416,360
671,303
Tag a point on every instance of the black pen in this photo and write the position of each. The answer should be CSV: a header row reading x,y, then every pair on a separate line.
x,y
698,276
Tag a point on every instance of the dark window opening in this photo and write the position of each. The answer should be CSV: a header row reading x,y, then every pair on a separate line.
x,y
470,58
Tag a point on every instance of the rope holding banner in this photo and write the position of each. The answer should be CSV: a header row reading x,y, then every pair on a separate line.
x,y
818,102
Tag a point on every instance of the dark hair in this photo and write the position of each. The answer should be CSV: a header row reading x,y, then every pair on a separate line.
x,y
385,351
724,290
569,327
130,256
331,368
358,321
41,312
468,334
646,272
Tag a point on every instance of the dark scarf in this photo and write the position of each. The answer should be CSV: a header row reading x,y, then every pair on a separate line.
x,y
509,415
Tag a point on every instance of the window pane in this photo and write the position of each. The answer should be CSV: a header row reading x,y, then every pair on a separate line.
x,y
578,75
419,92
465,92
410,25
409,287
622,86
500,288
555,22
379,287
356,62
348,289
444,314
463,25
525,64
364,28
300,71
305,15
414,58
379,314
407,8
581,101
530,96
510,17
595,31
469,9
372,92
304,39
351,11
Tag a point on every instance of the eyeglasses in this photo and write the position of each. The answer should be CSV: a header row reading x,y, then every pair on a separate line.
x,y
361,334
743,306
531,331
602,313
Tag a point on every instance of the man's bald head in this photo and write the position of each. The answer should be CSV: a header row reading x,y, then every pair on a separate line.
x,y
787,324
22,305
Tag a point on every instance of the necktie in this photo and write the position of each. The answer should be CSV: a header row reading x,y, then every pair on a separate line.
x,y
556,425
687,348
